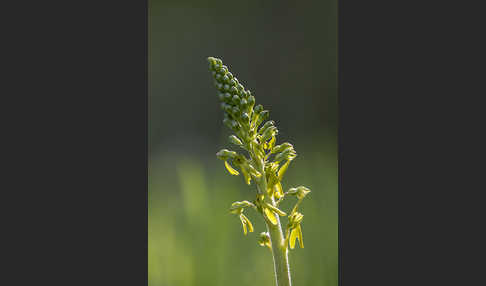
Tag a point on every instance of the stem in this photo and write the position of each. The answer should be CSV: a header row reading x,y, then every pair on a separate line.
x,y
279,246
280,254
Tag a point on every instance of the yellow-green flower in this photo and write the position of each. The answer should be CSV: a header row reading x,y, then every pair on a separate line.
x,y
230,169
295,229
270,216
294,234
237,208
246,223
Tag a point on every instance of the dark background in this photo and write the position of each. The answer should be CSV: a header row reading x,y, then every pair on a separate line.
x,y
285,52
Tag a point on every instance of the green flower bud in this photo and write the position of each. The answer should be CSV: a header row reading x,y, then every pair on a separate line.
x,y
218,77
265,126
219,86
230,75
280,148
271,131
287,154
300,192
211,60
232,82
251,101
243,104
223,70
233,90
226,154
227,108
235,126
227,97
236,99
221,96
262,117
235,140
245,118
225,79
241,87
236,110
258,109
226,87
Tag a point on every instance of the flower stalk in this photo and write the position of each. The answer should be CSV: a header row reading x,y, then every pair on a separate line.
x,y
265,165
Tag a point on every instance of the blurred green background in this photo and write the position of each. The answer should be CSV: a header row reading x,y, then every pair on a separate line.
x,y
285,52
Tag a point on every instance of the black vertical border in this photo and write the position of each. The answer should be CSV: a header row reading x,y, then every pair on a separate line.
x,y
80,146
408,141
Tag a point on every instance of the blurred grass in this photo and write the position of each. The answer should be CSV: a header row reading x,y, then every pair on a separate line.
x,y
193,240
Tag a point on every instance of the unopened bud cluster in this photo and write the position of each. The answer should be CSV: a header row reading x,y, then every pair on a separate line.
x,y
236,102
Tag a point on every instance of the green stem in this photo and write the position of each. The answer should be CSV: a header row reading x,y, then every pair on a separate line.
x,y
279,246
280,254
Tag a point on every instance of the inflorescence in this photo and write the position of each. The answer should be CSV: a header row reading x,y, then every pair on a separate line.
x,y
266,163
